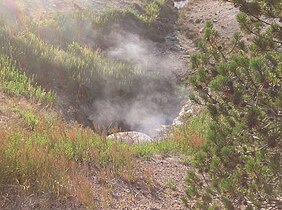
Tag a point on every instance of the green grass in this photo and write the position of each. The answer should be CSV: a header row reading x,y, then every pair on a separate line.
x,y
49,157
14,81
171,184
152,11
41,153
72,26
72,68
29,117
189,136
51,153
164,147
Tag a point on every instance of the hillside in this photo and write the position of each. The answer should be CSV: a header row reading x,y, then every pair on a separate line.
x,y
99,108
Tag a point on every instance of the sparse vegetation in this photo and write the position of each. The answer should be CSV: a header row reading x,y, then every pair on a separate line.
x,y
171,184
193,133
40,152
73,69
43,153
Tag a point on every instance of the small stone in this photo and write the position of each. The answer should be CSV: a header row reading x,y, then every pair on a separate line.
x,y
198,21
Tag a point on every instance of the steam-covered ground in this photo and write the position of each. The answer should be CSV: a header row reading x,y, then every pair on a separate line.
x,y
156,95
159,54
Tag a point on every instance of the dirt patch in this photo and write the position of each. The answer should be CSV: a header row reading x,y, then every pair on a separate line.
x,y
160,186
194,15
197,12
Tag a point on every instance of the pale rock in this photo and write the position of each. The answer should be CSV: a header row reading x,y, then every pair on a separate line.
x,y
185,112
131,137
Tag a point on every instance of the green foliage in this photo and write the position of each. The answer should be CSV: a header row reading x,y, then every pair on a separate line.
x,y
107,18
63,52
164,147
71,26
241,83
171,184
152,11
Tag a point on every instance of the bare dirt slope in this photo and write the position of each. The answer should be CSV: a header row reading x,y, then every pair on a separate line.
x,y
41,8
160,186
197,12
193,16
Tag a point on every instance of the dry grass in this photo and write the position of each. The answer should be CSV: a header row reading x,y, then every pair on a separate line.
x,y
53,158
59,159
40,153
197,141
192,134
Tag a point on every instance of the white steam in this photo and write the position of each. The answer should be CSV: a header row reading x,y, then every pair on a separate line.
x,y
156,101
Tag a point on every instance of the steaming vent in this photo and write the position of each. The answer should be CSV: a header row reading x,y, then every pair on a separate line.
x,y
151,101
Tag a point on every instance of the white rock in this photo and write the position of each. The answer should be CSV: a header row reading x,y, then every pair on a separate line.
x,y
131,137
180,4
185,112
